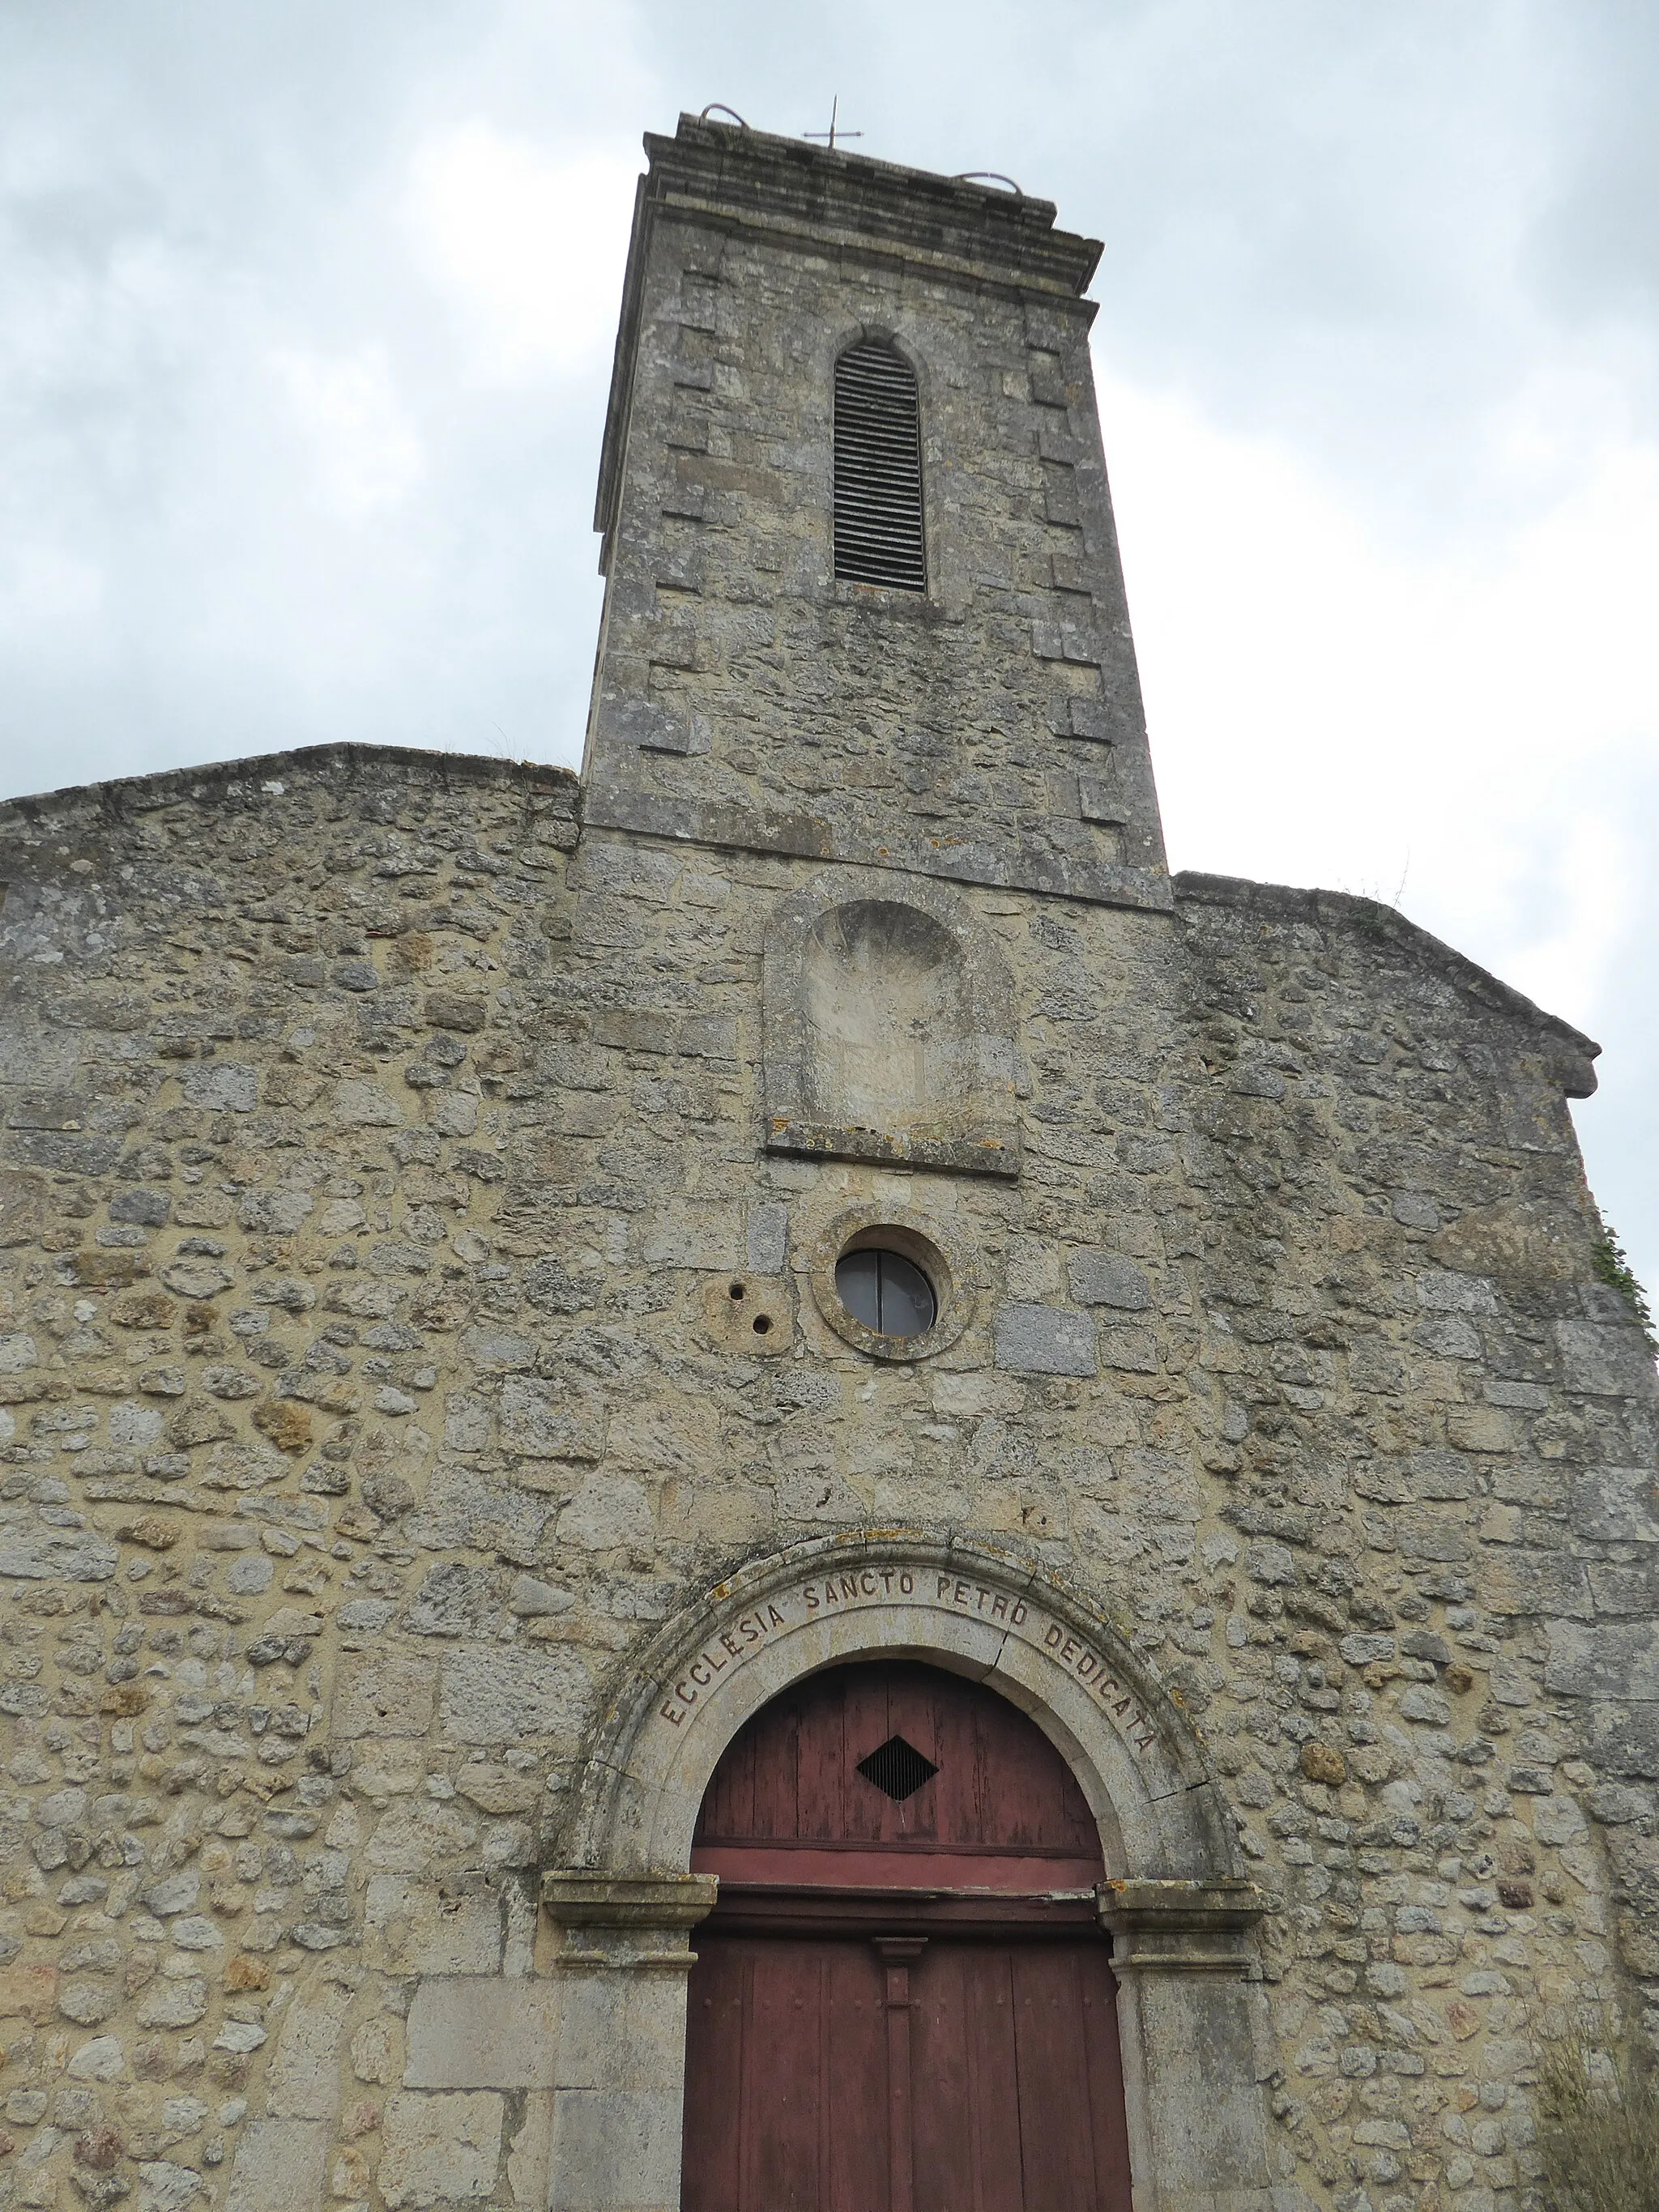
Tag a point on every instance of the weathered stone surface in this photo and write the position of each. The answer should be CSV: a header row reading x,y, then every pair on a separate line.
x,y
1106,1279
278,2166
495,1696
1033,1340
387,1693
468,2032
440,2150
1614,1659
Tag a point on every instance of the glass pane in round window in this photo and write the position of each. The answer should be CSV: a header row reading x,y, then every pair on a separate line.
x,y
886,1291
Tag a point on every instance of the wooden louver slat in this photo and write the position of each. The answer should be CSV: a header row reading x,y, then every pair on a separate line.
x,y
879,529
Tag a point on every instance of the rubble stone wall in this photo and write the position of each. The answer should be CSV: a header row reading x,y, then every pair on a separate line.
x,y
378,1157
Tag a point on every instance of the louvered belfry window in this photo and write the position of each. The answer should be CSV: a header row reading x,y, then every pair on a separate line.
x,y
878,536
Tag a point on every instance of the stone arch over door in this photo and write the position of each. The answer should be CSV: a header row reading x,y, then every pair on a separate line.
x,y
889,1029
623,1904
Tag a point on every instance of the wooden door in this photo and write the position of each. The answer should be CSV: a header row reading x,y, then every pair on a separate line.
x,y
903,2001
825,2077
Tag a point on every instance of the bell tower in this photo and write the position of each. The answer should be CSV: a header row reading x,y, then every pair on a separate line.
x,y
864,602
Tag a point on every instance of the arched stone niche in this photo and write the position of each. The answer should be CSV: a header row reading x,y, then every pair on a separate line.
x,y
889,1027
621,1909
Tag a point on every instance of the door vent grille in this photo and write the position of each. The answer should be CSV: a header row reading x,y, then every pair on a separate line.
x,y
879,532
898,1768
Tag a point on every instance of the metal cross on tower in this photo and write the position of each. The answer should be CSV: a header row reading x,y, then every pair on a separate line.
x,y
833,131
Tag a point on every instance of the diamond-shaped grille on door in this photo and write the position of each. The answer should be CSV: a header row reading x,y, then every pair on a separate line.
x,y
898,1768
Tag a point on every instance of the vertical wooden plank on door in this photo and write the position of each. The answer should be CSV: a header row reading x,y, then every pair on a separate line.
x,y
781,2080
942,2149
1057,2162
714,2076
1104,2058
823,1758
867,1813
967,2129
857,2071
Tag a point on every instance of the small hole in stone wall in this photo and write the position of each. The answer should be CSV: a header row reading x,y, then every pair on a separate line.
x,y
762,1324
735,1291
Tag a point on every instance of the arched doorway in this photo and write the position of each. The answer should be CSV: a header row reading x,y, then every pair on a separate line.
x,y
902,2001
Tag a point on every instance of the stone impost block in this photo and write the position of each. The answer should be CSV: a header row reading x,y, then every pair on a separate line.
x,y
580,1897
1181,1927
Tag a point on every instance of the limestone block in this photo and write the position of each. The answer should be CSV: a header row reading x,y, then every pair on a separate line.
x,y
1557,1821
278,2166
1131,1351
607,1514
304,2082
478,2031
1162,1484
165,2187
766,1238
626,2028
1206,2133
225,1085
101,2060
1617,1504
37,1553
1614,1659
544,1421
360,1105
530,2154
1604,1361
497,1695
418,1831
440,2150
1424,1535
386,1693
1102,1278
616,2150
1523,1582
706,1237
1046,1340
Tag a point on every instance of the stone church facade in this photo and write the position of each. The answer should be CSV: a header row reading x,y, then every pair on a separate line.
x,y
436,1421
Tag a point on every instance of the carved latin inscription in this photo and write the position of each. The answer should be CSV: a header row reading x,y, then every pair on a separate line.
x,y
851,1588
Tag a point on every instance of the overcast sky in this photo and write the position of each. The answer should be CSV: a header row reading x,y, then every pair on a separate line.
x,y
306,318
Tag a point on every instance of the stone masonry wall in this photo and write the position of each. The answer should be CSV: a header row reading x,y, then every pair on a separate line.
x,y
376,1155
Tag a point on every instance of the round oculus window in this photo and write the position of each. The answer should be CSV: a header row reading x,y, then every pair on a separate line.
x,y
887,1293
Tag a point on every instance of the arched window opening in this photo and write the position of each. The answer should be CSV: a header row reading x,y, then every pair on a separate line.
x,y
879,527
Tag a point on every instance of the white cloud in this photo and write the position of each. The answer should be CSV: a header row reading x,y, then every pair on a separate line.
x,y
1327,708
532,247
364,451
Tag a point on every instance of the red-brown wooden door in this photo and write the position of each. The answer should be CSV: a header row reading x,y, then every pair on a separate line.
x,y
902,2002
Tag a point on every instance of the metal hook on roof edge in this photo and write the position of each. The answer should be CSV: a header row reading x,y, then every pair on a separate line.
x,y
987,177
720,107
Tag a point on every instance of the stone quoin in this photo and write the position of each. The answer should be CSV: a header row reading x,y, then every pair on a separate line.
x,y
505,1276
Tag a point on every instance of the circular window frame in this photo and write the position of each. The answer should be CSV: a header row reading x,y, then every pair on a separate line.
x,y
917,1239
